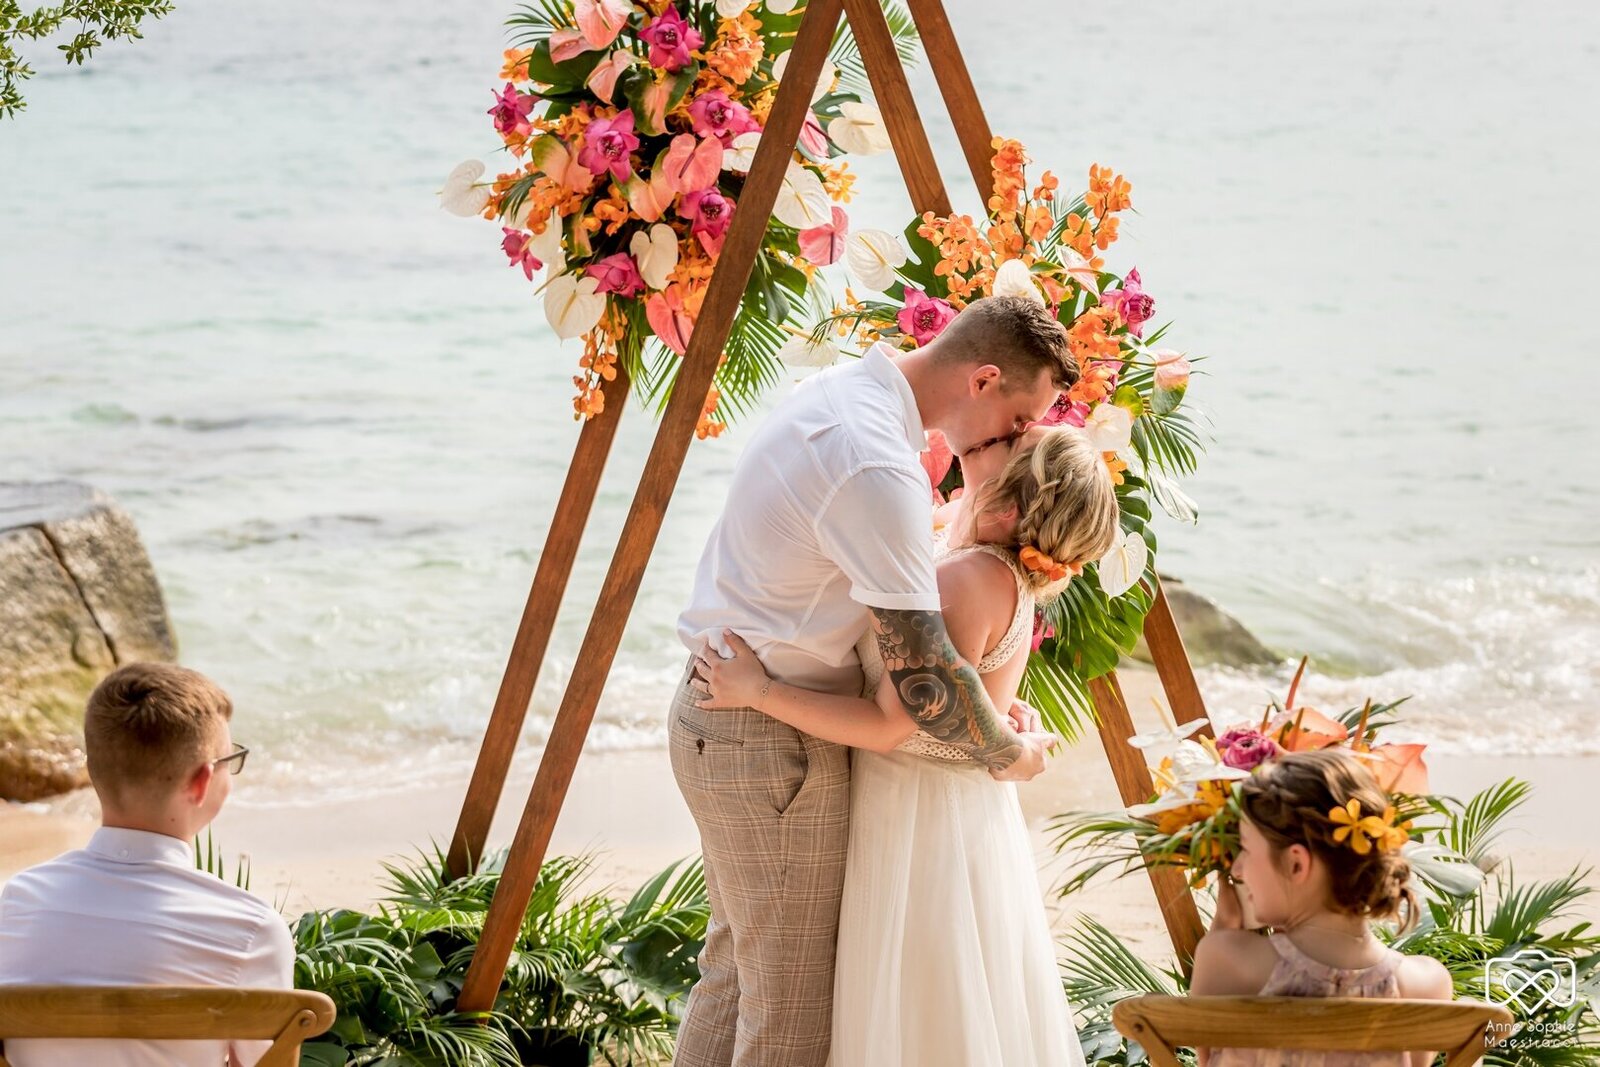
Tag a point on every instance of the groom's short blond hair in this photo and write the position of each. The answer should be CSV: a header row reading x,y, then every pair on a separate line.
x,y
147,726
1020,336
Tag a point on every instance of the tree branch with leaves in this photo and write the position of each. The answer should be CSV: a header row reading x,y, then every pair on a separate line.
x,y
90,22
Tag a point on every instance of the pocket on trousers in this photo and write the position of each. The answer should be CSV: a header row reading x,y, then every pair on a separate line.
x,y
706,729
789,764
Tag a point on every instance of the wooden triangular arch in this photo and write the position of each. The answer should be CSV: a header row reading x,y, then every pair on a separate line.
x,y
665,462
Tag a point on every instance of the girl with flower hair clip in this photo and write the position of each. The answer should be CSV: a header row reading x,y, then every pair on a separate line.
x,y
1319,860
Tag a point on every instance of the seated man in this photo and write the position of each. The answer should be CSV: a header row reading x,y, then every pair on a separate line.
x,y
130,908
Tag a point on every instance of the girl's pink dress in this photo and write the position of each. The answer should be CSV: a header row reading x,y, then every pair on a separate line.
x,y
1298,975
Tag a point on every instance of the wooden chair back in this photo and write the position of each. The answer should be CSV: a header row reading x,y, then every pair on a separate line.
x,y
286,1017
1463,1030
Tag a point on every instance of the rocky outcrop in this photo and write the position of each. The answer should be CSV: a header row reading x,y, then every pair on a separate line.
x,y
78,596
1211,636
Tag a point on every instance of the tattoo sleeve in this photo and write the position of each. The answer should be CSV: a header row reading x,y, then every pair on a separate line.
x,y
942,692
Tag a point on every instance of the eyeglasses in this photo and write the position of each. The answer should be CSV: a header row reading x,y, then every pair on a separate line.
x,y
234,758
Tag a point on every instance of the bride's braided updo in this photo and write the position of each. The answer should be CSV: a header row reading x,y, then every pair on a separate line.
x,y
1289,799
1065,501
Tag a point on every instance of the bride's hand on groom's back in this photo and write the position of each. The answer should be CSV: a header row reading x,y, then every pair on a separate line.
x,y
738,681
1035,757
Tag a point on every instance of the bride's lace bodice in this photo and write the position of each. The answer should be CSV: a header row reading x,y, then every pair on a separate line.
x,y
1020,630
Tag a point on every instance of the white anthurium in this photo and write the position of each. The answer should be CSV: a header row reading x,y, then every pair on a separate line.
x,y
803,200
825,79
461,195
572,305
1194,763
732,9
1015,279
1080,271
860,129
1121,568
873,257
656,252
1157,745
1110,427
801,352
546,246
782,7
1179,796
739,154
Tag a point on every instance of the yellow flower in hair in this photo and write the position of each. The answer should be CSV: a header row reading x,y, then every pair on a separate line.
x,y
1350,826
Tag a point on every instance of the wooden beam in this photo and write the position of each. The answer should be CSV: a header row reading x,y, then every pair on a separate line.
x,y
960,96
639,532
1134,784
533,632
893,93
1172,663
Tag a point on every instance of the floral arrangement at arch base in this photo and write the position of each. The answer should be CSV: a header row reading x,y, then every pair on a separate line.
x,y
1192,821
1036,242
633,125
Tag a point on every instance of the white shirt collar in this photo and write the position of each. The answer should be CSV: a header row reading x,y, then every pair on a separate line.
x,y
121,845
882,367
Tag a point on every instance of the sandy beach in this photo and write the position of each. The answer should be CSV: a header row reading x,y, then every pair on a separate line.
x,y
625,806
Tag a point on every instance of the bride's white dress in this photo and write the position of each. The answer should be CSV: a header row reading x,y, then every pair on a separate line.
x,y
945,954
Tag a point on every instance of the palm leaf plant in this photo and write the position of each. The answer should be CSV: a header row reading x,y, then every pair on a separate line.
x,y
589,975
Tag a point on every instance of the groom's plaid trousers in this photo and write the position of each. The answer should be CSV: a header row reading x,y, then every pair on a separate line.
x,y
773,808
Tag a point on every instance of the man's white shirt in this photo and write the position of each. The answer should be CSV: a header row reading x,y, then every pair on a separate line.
x,y
131,909
829,514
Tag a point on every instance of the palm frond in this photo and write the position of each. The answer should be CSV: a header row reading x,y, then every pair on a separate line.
x,y
1061,697
846,54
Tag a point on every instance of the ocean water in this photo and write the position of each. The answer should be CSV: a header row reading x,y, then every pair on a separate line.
x,y
228,297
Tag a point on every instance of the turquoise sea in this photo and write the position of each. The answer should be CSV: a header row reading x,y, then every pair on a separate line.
x,y
228,297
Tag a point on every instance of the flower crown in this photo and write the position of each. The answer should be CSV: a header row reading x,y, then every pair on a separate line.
x,y
1041,562
1364,832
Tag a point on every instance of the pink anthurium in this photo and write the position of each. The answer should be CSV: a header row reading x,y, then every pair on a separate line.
x,y
938,459
813,139
649,199
690,164
567,44
601,20
603,79
668,319
553,157
824,244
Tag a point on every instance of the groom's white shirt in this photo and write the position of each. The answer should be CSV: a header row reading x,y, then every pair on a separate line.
x,y
829,513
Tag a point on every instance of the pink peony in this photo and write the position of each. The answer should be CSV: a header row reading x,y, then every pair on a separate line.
x,y
671,40
924,317
607,144
715,115
709,214
517,245
616,274
1131,302
1245,748
511,110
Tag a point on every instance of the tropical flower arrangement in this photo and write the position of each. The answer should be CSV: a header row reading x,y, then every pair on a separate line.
x,y
1192,821
634,125
1038,243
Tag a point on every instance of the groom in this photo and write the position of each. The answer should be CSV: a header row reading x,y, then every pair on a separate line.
x,y
827,532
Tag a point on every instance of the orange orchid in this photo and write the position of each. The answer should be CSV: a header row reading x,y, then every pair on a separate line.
x,y
515,68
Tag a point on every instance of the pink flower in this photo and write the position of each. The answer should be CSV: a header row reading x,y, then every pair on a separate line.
x,y
602,81
813,140
1131,302
1172,369
714,115
567,44
1042,630
924,317
601,20
616,273
709,214
511,109
669,319
518,249
1066,413
671,40
607,144
824,244
1245,748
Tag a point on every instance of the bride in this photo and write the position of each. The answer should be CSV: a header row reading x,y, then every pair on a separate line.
x,y
945,955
